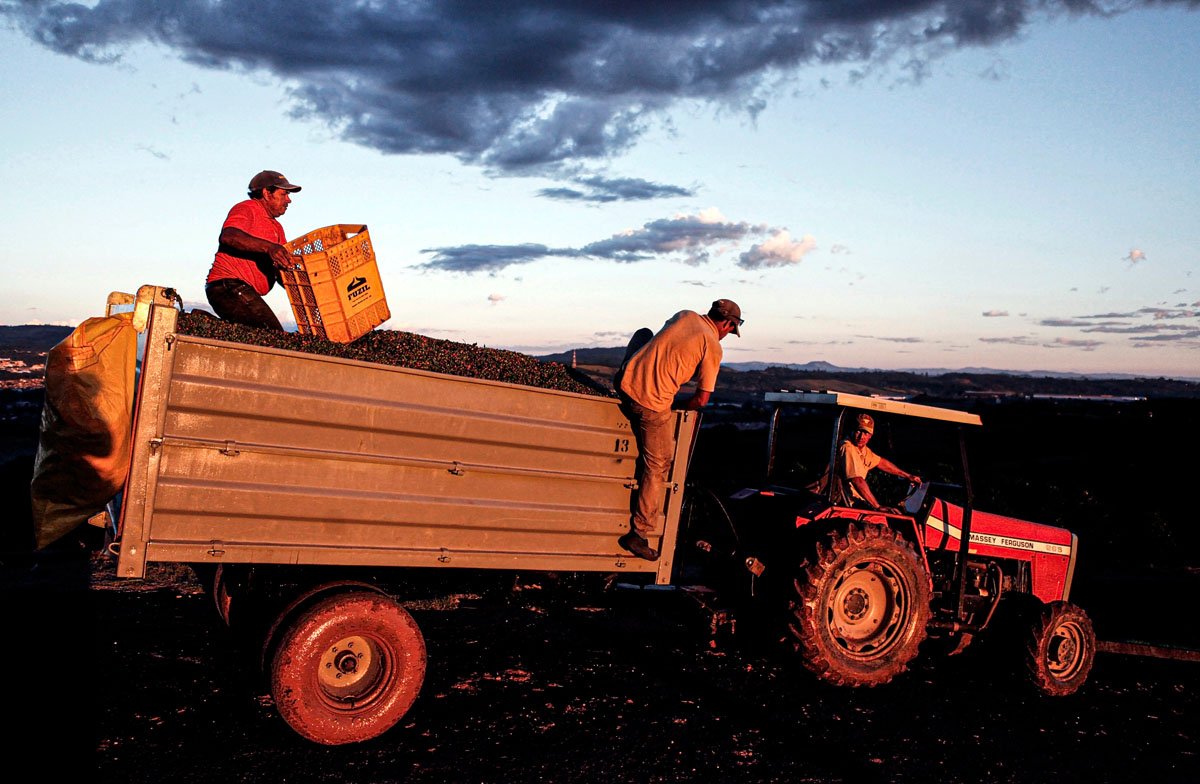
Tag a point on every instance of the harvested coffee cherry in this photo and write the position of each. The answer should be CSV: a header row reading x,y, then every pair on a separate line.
x,y
405,349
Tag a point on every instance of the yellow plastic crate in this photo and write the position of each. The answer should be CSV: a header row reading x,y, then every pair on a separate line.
x,y
334,288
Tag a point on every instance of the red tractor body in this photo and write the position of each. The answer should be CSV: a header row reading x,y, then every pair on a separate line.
x,y
1050,551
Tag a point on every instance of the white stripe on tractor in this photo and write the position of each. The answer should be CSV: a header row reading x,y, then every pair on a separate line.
x,y
1006,542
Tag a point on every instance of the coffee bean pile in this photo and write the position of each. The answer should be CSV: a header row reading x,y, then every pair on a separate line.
x,y
405,349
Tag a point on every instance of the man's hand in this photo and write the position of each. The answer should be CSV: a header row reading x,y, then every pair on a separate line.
x,y
281,258
248,243
694,403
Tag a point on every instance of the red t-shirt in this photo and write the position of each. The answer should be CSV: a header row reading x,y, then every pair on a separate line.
x,y
254,268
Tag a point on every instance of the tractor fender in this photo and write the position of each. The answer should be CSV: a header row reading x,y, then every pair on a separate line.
x,y
838,516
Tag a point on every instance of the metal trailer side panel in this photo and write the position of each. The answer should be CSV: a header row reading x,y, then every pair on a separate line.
x,y
254,455
149,408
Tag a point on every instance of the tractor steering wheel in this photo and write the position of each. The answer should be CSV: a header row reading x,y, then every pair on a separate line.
x,y
914,488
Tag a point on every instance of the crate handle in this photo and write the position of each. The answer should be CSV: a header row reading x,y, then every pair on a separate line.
x,y
351,229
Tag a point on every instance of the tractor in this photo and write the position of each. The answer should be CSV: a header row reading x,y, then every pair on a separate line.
x,y
861,591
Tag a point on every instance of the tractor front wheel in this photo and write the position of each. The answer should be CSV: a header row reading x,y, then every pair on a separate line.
x,y
859,612
1059,649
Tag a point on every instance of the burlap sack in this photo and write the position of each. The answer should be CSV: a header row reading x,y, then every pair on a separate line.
x,y
83,450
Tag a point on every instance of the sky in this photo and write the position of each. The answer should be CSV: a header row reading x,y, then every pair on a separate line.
x,y
910,184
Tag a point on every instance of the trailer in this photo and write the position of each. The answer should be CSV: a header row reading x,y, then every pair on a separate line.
x,y
321,471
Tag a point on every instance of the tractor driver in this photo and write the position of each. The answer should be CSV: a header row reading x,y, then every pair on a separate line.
x,y
855,460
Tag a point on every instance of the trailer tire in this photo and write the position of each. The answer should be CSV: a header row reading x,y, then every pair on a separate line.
x,y
1060,649
348,669
859,613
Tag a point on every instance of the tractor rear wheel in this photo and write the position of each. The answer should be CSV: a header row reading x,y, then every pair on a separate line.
x,y
348,668
1059,649
859,613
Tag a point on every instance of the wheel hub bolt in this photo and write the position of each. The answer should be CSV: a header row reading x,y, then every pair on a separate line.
x,y
855,604
346,662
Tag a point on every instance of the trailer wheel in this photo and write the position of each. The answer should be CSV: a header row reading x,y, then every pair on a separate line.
x,y
348,669
1060,649
859,613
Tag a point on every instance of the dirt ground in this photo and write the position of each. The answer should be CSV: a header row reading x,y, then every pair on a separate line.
x,y
132,681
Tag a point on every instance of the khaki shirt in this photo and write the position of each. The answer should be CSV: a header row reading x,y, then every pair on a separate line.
x,y
688,345
853,463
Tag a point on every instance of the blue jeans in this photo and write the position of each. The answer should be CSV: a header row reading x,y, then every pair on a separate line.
x,y
236,300
655,434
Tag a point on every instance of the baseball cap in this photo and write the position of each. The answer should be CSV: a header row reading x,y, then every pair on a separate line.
x,y
865,422
272,179
727,309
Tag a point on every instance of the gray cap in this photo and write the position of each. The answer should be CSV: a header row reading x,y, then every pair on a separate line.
x,y
727,310
272,179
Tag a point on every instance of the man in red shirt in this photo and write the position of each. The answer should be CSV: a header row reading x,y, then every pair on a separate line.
x,y
249,250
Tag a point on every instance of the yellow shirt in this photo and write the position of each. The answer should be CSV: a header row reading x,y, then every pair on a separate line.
x,y
688,345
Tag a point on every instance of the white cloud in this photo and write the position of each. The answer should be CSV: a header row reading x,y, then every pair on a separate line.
x,y
778,250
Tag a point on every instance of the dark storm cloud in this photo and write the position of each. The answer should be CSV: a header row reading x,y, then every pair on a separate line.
x,y
162,156
1141,329
1061,322
690,237
1154,312
487,258
1171,313
602,190
1017,340
687,238
530,85
1086,345
1165,338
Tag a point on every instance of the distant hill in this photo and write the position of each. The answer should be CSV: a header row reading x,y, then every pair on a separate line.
x,y
32,337
827,367
606,357
748,385
754,378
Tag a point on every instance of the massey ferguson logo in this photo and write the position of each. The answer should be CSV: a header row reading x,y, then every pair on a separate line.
x,y
358,287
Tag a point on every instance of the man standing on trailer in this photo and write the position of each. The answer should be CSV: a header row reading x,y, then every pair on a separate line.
x,y
688,345
249,250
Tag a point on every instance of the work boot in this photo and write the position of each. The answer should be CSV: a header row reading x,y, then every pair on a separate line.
x,y
635,544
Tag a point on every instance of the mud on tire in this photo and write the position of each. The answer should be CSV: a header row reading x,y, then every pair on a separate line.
x,y
348,668
1059,649
859,612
